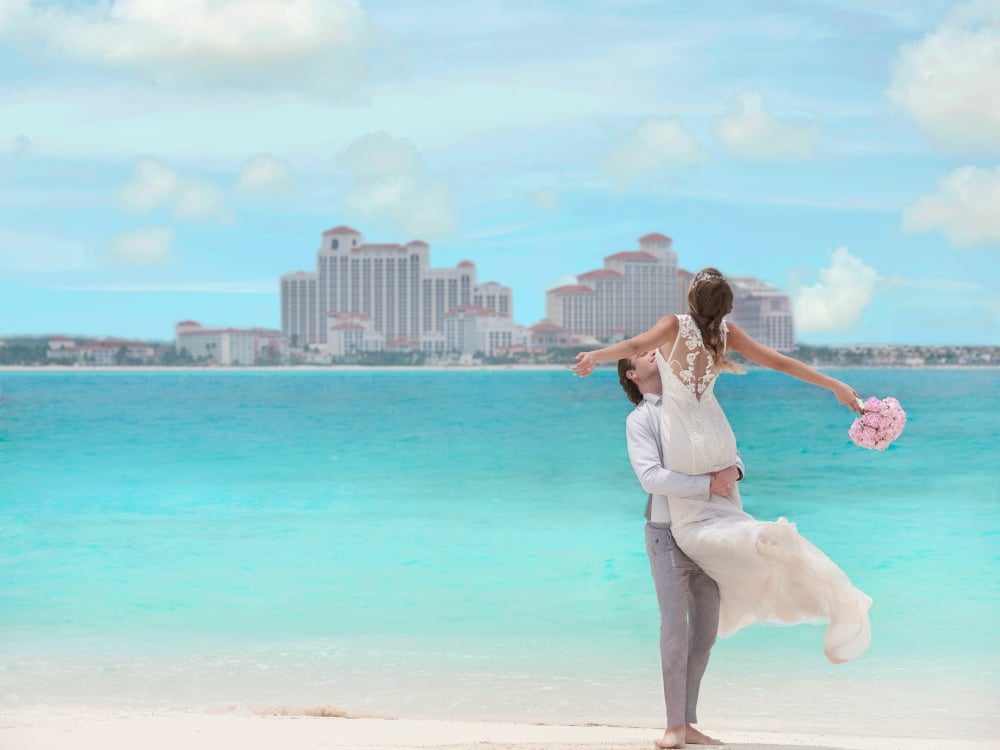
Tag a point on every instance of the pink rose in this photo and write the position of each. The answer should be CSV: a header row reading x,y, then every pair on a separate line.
x,y
880,424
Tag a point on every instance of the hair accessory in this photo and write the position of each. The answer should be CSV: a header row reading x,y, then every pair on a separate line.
x,y
702,276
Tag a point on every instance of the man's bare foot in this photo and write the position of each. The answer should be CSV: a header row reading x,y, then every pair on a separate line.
x,y
695,737
673,737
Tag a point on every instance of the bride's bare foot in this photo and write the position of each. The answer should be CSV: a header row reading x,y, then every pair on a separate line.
x,y
694,737
673,737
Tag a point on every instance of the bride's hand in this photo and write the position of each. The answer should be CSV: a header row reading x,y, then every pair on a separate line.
x,y
585,363
849,398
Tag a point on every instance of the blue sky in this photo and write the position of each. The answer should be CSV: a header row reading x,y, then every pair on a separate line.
x,y
170,159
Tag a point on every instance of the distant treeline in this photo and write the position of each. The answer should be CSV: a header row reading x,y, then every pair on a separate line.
x,y
33,350
899,356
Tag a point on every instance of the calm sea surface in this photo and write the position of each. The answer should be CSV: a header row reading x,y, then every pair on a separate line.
x,y
460,544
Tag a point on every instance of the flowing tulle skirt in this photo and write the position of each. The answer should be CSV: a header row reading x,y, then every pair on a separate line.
x,y
768,572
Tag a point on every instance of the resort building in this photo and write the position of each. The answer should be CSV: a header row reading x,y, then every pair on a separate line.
x,y
394,285
764,312
371,297
546,335
683,285
493,296
351,334
636,288
105,353
628,294
300,319
470,329
230,346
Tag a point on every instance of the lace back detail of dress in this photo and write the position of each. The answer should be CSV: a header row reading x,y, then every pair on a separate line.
x,y
690,361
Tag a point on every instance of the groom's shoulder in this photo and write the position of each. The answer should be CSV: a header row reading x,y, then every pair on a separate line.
x,y
640,413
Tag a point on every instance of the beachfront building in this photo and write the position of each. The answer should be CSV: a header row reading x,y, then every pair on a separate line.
x,y
230,346
394,285
470,329
545,335
763,311
352,334
59,344
433,343
629,293
493,296
300,320
104,353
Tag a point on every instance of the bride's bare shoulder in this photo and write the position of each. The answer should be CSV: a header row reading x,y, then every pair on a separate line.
x,y
669,323
669,326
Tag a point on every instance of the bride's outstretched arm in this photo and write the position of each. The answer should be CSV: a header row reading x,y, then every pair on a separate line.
x,y
740,341
663,332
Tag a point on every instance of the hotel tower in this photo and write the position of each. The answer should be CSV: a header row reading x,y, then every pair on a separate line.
x,y
633,290
391,286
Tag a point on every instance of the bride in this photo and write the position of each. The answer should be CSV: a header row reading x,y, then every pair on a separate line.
x,y
766,571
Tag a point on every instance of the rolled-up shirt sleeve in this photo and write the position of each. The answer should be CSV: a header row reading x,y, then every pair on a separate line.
x,y
644,453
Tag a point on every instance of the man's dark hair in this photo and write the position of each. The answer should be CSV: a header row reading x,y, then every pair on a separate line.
x,y
629,386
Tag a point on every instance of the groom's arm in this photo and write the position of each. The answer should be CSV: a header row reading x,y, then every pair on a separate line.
x,y
724,481
644,454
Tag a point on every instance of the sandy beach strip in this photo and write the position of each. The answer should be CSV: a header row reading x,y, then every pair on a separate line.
x,y
106,729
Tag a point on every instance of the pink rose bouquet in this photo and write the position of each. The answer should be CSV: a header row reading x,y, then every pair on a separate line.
x,y
881,423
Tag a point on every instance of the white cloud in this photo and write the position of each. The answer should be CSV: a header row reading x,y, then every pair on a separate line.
x,y
965,208
264,173
145,246
390,180
154,185
837,301
546,199
949,81
377,155
198,200
653,147
314,43
750,132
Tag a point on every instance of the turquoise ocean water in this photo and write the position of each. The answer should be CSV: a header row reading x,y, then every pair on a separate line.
x,y
466,544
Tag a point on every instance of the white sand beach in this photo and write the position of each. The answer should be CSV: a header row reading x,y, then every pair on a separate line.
x,y
37,729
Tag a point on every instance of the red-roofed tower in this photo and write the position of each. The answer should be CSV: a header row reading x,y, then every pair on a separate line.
x,y
630,293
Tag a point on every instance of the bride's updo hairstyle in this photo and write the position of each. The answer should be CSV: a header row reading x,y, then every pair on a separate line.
x,y
710,299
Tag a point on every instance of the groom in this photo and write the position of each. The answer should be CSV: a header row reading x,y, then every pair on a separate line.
x,y
688,598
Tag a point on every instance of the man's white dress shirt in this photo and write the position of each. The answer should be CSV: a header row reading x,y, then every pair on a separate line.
x,y
642,430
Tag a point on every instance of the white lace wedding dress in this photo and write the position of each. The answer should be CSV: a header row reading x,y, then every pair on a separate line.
x,y
766,571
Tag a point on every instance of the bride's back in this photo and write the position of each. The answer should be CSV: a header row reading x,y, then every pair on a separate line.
x,y
696,434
